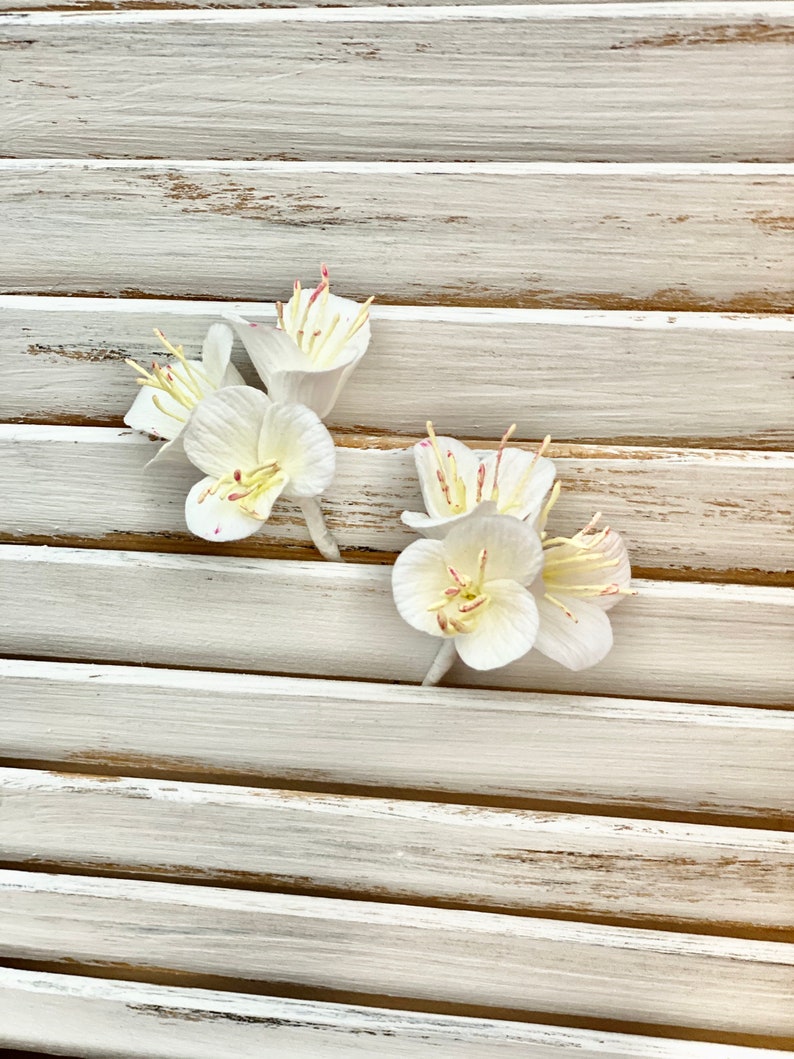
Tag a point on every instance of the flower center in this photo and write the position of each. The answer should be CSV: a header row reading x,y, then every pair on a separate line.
x,y
246,487
462,604
319,331
186,384
582,555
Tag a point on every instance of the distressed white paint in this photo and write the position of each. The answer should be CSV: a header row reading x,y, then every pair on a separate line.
x,y
117,1019
404,84
419,851
676,508
457,956
635,754
725,643
537,236
645,372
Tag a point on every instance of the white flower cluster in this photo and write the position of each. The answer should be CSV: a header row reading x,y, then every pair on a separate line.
x,y
488,579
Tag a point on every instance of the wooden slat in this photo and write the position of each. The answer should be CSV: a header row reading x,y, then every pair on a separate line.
x,y
645,372
690,509
545,235
533,965
44,1010
709,878
724,643
643,756
673,82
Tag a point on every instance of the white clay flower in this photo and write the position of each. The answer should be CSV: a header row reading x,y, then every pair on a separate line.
x,y
469,589
308,357
457,483
582,577
254,451
170,391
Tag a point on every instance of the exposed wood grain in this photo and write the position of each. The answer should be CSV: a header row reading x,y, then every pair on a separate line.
x,y
442,954
421,83
172,5
40,1010
644,756
716,642
645,373
695,509
713,878
545,235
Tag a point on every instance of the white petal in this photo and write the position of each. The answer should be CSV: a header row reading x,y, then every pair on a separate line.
x,y
144,415
438,528
215,519
568,578
618,576
506,630
232,377
513,548
574,644
316,389
427,469
336,350
216,352
418,579
523,482
294,435
223,430
171,452
269,348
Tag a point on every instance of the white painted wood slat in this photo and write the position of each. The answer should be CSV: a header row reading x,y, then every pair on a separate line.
x,y
696,509
546,235
724,643
117,1020
588,866
534,965
645,373
590,82
650,756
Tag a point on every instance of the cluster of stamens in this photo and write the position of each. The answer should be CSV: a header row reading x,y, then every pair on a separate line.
x,y
186,384
245,487
319,339
463,602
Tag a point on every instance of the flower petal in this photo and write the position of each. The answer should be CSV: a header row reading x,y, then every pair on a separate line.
x,y
144,415
316,389
216,352
565,576
295,436
419,577
217,520
613,548
574,644
506,630
513,548
524,481
171,452
438,528
465,463
223,430
335,348
269,348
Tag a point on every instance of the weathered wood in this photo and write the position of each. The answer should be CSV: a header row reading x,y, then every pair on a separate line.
x,y
544,235
675,82
724,643
645,373
690,509
120,1019
463,957
584,866
642,756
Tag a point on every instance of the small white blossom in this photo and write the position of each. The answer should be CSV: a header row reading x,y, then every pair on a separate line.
x,y
254,451
308,357
469,589
169,392
458,483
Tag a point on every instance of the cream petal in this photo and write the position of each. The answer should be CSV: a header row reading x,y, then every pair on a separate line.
x,y
216,352
567,577
144,415
613,549
524,481
223,431
506,630
419,577
217,520
574,644
513,548
171,452
295,436
438,528
232,377
316,389
337,350
427,468
269,348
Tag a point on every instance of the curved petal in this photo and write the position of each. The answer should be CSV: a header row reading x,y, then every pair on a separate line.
x,y
269,348
574,644
419,577
144,415
317,389
217,520
613,549
464,463
223,430
506,630
513,548
568,577
331,318
171,452
294,435
216,352
524,481
438,528
232,377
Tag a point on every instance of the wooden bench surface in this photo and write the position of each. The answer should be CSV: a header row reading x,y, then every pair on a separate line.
x,y
232,824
